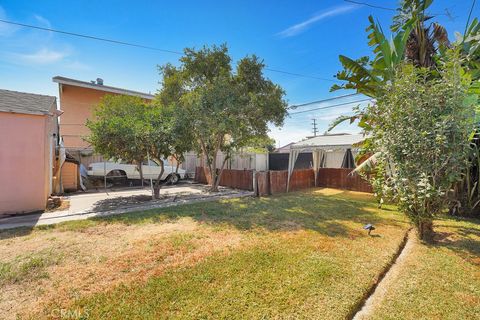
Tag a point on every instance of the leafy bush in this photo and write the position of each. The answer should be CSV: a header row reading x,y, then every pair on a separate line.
x,y
423,127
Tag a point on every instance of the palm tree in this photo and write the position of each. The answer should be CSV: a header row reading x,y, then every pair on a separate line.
x,y
413,40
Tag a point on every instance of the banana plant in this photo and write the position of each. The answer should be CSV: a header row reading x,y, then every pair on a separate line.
x,y
411,40
469,44
367,76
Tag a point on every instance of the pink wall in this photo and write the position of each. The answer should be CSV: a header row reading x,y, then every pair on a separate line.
x,y
24,162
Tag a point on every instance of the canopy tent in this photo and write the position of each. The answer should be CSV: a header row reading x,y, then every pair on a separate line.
x,y
348,160
319,146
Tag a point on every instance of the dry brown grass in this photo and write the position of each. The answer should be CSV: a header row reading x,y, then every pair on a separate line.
x,y
302,252
102,257
353,195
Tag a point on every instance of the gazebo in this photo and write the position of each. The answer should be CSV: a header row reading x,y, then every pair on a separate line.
x,y
321,147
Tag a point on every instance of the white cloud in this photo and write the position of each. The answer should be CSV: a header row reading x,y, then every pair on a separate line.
x,y
302,26
5,29
77,65
43,56
43,21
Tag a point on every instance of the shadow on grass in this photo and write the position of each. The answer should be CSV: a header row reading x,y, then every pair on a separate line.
x,y
460,235
332,216
15,232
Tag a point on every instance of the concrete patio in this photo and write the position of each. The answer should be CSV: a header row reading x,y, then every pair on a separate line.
x,y
100,204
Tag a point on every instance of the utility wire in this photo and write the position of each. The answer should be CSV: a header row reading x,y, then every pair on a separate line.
x,y
295,106
137,45
89,37
370,5
332,106
300,75
447,12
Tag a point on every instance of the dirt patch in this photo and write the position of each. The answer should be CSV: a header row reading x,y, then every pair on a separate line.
x,y
57,204
98,258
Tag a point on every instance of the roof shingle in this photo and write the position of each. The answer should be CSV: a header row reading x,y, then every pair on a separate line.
x,y
27,103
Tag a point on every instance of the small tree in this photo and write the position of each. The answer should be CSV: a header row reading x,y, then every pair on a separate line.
x,y
222,109
128,128
422,127
117,129
158,128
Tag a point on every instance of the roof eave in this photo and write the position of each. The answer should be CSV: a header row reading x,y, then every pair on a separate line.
x,y
82,84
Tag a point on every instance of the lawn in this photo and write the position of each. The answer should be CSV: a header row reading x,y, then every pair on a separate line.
x,y
300,255
438,281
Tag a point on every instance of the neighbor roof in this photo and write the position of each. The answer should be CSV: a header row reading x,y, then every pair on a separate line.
x,y
101,87
27,103
330,140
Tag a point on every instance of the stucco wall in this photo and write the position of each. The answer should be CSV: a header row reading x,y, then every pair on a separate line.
x,y
24,164
77,103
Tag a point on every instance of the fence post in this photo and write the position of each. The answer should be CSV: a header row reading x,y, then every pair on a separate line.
x,y
254,179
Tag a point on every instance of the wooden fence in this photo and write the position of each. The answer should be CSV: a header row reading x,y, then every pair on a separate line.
x,y
237,179
342,179
274,182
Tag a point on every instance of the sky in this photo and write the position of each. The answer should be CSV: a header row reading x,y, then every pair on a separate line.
x,y
302,37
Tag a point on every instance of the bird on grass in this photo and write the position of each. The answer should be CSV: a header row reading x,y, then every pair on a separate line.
x,y
369,227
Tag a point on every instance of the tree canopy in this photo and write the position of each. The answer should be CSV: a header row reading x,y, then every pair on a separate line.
x,y
117,129
224,110
421,122
133,130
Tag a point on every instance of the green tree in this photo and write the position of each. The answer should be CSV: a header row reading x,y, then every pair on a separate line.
x,y
117,129
423,128
159,143
128,128
224,110
424,44
168,100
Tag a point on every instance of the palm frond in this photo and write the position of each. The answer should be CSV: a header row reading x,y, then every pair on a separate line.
x,y
367,164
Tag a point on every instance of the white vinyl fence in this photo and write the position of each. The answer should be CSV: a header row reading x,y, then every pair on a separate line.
x,y
243,161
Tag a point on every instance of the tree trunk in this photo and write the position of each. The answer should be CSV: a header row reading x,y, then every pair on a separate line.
x,y
157,185
140,171
425,230
218,176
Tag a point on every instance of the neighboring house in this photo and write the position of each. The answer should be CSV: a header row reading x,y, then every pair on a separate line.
x,y
283,149
29,137
77,100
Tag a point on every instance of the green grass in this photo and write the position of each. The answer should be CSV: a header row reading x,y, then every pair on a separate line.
x,y
306,256
324,214
27,267
302,255
439,281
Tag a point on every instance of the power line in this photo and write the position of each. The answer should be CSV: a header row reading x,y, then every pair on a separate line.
x,y
137,45
332,106
295,106
447,12
370,5
301,75
89,37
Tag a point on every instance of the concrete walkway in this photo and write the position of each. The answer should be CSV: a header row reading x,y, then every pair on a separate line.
x,y
89,205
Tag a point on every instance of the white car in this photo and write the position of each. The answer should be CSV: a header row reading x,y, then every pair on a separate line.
x,y
122,171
